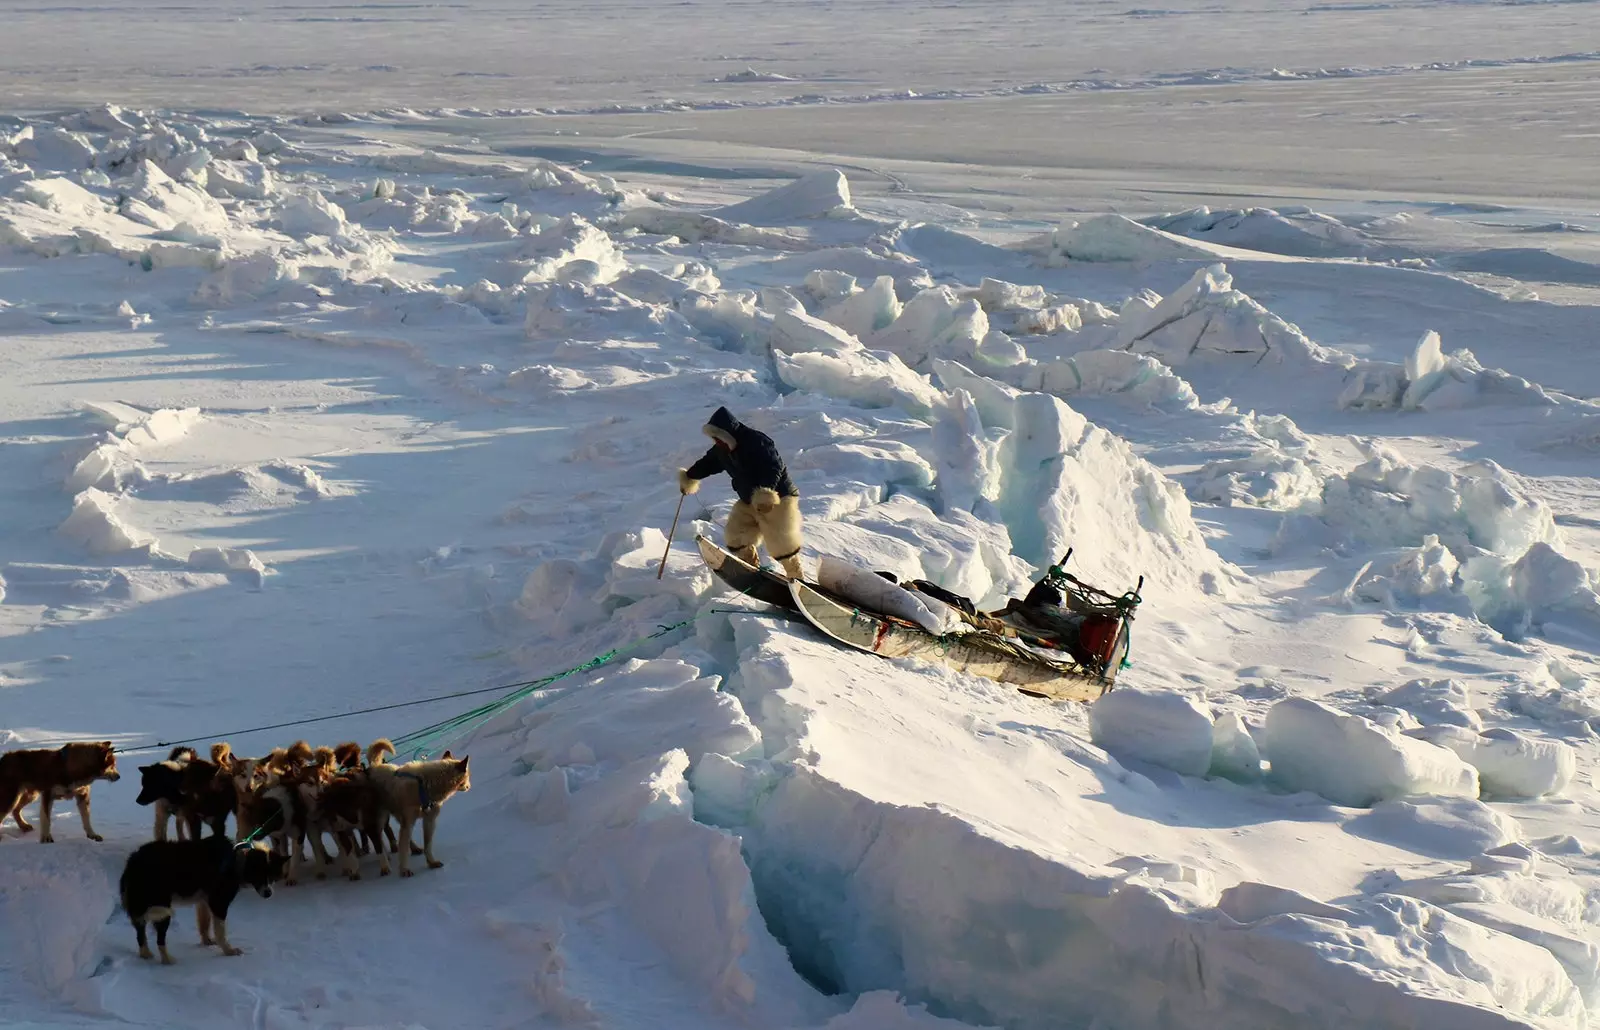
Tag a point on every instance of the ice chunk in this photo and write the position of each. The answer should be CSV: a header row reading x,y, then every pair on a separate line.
x,y
95,524
1234,754
1157,726
1353,761
1268,478
310,214
935,323
867,311
1411,574
967,468
1208,317
869,378
1068,483
820,194
796,331
1509,764
1388,500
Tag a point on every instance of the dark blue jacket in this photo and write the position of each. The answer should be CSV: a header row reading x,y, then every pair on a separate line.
x,y
752,462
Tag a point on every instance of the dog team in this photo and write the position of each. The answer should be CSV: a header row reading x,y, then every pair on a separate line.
x,y
279,802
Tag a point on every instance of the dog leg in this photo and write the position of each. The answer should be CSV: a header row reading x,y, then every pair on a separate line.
x,y
138,931
292,877
83,813
221,926
202,922
407,822
162,924
46,800
321,854
428,819
160,830
16,812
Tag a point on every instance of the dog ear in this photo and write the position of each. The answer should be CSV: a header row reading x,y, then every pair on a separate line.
x,y
463,763
446,753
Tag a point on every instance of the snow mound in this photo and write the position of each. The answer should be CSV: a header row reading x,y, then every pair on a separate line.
x,y
310,214
1410,574
1355,762
697,227
1267,478
1117,238
1157,726
1388,501
619,716
866,378
751,75
573,250
821,194
1457,828
155,199
1443,702
1298,232
1509,764
1207,317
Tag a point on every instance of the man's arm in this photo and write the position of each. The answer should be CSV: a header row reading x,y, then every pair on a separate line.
x,y
708,465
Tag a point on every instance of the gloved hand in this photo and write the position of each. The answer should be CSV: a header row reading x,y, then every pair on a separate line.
x,y
687,485
764,499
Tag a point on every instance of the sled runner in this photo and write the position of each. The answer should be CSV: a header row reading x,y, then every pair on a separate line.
x,y
1067,641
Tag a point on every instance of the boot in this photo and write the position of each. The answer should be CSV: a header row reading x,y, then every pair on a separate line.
x,y
791,568
748,556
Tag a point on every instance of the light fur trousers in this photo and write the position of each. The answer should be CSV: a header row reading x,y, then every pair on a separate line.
x,y
779,528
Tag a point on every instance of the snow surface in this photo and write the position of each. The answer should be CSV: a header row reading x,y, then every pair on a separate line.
x,y
304,415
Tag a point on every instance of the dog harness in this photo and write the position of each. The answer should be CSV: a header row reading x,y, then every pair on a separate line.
x,y
422,790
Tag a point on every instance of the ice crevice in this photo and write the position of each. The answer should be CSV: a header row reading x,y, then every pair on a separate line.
x,y
871,894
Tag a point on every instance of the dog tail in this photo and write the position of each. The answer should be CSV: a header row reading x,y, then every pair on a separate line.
x,y
377,749
182,752
300,752
222,754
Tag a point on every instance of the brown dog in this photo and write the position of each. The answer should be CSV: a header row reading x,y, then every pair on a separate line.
x,y
51,776
415,790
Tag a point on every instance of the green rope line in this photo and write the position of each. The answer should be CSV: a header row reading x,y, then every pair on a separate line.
x,y
424,742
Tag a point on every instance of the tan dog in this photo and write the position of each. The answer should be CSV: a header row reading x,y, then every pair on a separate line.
x,y
51,776
411,791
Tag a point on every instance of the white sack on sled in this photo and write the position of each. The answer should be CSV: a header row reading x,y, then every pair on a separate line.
x,y
872,591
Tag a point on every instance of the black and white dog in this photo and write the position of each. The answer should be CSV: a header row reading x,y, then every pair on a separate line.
x,y
207,873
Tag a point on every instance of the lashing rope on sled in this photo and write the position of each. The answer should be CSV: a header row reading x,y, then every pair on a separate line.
x,y
421,742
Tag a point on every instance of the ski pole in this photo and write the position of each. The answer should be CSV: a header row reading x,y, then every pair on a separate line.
x,y
671,531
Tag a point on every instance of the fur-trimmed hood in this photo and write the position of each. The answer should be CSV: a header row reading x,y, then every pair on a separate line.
x,y
723,428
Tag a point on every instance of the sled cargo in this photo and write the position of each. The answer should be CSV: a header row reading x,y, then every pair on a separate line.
x,y
1005,656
